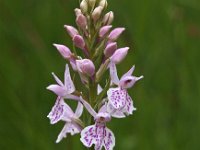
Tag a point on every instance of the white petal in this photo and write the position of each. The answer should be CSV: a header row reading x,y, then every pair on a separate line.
x,y
57,111
109,140
57,79
117,97
129,108
99,89
88,107
114,112
68,81
58,90
79,110
113,74
129,73
68,128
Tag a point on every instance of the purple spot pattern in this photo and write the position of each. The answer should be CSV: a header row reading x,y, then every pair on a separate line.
x,y
57,111
99,135
117,97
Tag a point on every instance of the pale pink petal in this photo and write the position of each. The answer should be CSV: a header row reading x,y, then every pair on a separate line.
x,y
68,128
129,73
115,112
57,111
68,81
104,30
93,134
128,81
99,89
119,55
58,90
109,139
57,79
71,30
88,107
117,97
114,35
79,110
113,74
129,108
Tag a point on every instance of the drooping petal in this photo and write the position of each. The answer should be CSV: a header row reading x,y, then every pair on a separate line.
x,y
93,135
109,139
57,111
88,107
113,74
129,108
58,90
57,79
68,128
68,81
114,112
79,110
129,73
117,97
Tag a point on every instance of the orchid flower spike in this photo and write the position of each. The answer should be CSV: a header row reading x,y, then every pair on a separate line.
x,y
98,134
118,98
73,124
65,89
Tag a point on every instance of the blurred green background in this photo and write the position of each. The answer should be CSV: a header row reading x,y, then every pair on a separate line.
x,y
164,36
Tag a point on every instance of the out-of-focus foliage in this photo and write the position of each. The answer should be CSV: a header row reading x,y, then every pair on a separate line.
x,y
164,36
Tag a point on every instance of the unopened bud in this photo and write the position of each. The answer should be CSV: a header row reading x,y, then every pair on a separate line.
x,y
110,49
77,11
97,13
108,18
63,50
81,21
119,55
92,3
79,41
85,66
114,35
104,30
71,30
84,6
103,3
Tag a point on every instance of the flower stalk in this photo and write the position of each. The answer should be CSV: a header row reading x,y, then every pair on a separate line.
x,y
95,55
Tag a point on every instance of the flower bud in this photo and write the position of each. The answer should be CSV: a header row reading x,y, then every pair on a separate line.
x,y
85,66
119,55
110,49
108,18
114,35
92,3
97,13
71,30
103,3
81,21
79,41
77,11
104,30
84,6
63,50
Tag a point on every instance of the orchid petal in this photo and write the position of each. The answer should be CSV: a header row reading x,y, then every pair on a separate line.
x,y
113,74
57,111
117,97
129,73
88,107
128,81
79,110
93,135
57,79
129,108
109,139
58,90
68,81
99,89
68,128
114,112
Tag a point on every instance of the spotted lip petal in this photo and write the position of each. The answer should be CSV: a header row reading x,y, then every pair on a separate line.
x,y
57,111
117,97
115,112
109,139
